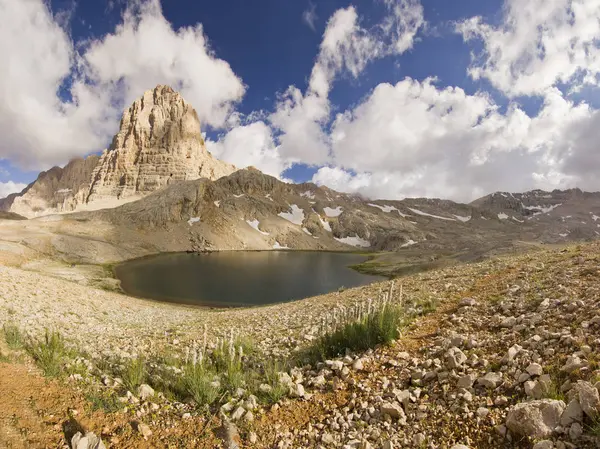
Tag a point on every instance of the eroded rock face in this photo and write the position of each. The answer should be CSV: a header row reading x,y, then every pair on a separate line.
x,y
159,142
56,190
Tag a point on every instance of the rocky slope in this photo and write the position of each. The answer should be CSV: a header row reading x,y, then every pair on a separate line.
x,y
158,143
56,190
502,354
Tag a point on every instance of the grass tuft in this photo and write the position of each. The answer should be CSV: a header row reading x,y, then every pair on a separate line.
x,y
134,374
49,353
380,327
200,384
13,336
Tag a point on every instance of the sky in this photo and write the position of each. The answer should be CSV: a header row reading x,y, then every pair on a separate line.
x,y
385,98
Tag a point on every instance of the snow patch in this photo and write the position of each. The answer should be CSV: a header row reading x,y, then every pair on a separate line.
x,y
595,217
306,231
296,215
254,224
193,220
354,241
278,246
425,214
384,208
410,242
268,196
239,196
517,220
324,223
217,203
463,219
63,191
542,209
502,216
331,213
564,235
308,194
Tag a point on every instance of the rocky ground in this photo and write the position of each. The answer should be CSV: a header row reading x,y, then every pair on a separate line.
x,y
502,353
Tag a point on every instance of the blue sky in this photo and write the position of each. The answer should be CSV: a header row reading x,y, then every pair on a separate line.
x,y
494,119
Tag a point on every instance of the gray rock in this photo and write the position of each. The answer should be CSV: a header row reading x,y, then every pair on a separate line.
x,y
573,413
588,398
395,410
536,419
575,431
455,358
145,392
544,444
535,369
466,381
490,380
89,441
459,446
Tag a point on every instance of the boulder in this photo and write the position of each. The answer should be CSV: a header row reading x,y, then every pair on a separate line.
x,y
536,419
87,441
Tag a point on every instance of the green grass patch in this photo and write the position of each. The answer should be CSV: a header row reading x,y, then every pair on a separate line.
x,y
380,327
49,353
13,336
134,373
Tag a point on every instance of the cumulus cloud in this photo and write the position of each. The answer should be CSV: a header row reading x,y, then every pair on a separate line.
x,y
247,145
6,188
347,47
417,139
41,128
309,16
537,44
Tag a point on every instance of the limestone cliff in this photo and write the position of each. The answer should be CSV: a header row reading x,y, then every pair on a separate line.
x,y
56,190
159,142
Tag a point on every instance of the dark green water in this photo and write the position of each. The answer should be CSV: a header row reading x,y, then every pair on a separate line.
x,y
240,278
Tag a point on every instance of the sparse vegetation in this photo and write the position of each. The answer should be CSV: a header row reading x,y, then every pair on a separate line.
x,y
134,373
201,384
13,336
49,353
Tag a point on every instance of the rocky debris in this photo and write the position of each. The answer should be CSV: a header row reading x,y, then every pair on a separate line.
x,y
228,432
537,419
87,441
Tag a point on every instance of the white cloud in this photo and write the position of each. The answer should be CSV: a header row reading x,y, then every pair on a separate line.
x,y
416,139
347,47
538,44
249,145
41,129
6,188
309,16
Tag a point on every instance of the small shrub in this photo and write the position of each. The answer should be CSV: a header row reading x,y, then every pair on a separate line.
x,y
13,336
200,385
134,373
380,327
107,402
49,353
271,378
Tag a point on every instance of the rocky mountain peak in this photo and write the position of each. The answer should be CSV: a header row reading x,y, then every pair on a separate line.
x,y
159,142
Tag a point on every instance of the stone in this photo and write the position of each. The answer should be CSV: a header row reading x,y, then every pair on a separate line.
x,y
575,431
145,392
589,399
459,446
573,413
253,438
228,432
297,391
490,380
87,441
358,365
467,302
535,369
455,358
238,414
482,412
536,419
395,410
144,430
544,444
466,381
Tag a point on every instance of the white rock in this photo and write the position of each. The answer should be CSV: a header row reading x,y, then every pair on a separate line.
x,y
490,380
145,392
544,444
536,419
535,369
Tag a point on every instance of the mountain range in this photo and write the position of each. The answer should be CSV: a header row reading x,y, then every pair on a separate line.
x,y
157,189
